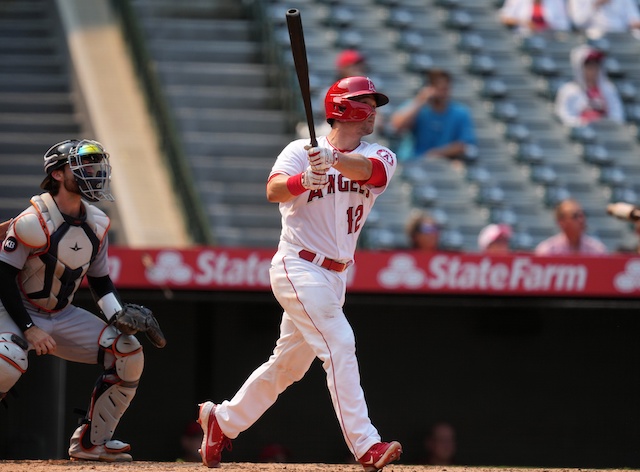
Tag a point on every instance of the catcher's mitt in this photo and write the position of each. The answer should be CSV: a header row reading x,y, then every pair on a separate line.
x,y
137,318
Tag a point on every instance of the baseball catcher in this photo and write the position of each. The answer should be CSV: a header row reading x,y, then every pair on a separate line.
x,y
47,251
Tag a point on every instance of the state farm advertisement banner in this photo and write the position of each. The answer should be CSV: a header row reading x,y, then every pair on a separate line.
x,y
394,272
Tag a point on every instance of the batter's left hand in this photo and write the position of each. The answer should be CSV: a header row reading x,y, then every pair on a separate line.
x,y
321,159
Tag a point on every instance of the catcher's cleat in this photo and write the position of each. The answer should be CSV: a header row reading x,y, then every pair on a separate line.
x,y
213,440
379,455
111,451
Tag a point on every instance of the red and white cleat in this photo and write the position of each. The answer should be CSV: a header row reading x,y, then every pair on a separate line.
x,y
213,440
379,455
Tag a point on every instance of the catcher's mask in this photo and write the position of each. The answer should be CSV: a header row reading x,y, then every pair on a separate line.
x,y
89,163
339,104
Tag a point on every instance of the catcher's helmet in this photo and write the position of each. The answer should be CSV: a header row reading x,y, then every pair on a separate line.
x,y
89,163
338,103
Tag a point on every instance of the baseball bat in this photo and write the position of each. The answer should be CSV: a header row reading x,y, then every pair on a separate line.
x,y
299,51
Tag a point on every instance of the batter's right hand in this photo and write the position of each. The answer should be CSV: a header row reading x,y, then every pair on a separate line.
x,y
314,179
40,341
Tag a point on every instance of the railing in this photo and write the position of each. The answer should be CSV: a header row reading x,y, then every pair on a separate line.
x,y
169,140
285,77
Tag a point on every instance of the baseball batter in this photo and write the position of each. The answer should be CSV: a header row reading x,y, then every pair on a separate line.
x,y
325,195
46,252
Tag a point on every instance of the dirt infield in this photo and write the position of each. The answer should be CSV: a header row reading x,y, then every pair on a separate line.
x,y
65,466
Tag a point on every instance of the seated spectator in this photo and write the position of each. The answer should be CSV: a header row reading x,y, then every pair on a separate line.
x,y
423,232
440,445
535,16
591,96
494,239
436,125
274,453
351,63
598,17
572,238
190,443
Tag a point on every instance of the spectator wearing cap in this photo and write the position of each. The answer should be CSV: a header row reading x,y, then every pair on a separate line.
x,y
599,17
435,125
423,232
590,96
350,63
535,16
572,238
494,239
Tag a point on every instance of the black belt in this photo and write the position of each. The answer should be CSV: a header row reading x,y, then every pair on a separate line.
x,y
327,263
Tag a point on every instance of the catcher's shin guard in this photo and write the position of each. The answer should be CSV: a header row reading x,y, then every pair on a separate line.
x,y
13,362
115,388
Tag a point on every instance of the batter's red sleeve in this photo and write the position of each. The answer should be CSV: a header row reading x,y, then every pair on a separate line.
x,y
378,175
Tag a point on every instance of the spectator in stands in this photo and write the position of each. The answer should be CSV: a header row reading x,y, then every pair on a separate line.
x,y
571,239
631,247
636,230
591,96
435,125
351,63
598,17
440,445
274,452
423,231
190,442
494,239
535,16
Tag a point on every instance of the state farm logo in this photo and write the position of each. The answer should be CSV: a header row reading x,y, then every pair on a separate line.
x,y
402,272
629,280
169,268
447,272
210,268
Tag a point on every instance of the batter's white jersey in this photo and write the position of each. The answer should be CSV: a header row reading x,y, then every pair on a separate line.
x,y
328,221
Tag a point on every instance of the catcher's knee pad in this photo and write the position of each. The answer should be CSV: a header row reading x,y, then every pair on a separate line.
x,y
125,354
13,362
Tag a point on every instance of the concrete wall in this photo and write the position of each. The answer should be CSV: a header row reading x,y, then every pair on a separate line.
x,y
524,383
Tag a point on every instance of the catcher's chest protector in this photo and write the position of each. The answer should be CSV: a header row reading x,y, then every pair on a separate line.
x,y
52,274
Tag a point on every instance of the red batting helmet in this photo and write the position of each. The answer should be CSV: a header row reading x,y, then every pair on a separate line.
x,y
338,103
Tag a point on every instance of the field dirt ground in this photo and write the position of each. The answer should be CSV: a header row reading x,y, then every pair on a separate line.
x,y
78,466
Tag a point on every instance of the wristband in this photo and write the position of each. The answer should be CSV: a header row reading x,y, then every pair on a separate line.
x,y
109,305
294,185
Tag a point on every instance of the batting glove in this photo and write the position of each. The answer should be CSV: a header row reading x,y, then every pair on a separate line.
x,y
313,179
321,159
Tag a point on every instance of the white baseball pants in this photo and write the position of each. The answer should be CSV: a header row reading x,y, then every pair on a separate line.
x,y
313,325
